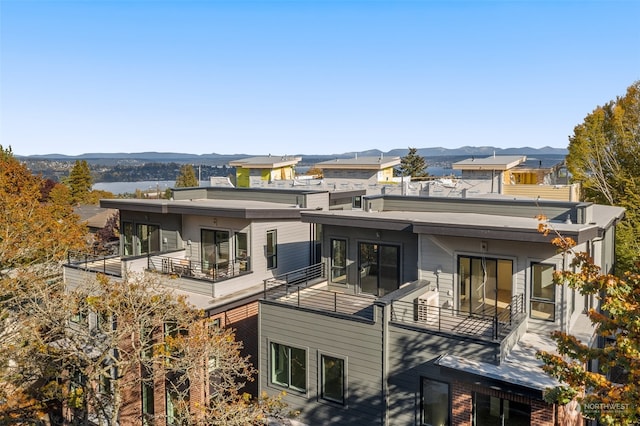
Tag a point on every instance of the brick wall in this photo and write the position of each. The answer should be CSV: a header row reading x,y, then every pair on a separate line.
x,y
542,414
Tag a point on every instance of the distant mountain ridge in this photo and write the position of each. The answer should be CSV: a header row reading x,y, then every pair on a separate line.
x,y
425,152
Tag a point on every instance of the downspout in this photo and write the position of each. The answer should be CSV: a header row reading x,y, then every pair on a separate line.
x,y
384,391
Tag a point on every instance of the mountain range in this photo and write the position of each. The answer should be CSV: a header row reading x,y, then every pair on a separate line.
x,y
425,152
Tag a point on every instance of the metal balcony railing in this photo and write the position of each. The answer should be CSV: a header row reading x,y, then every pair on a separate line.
x,y
454,321
294,289
189,268
99,263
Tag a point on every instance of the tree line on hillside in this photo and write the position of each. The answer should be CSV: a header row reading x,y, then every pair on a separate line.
x,y
58,171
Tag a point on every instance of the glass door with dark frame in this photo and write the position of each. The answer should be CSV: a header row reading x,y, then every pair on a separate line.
x,y
379,266
485,285
215,252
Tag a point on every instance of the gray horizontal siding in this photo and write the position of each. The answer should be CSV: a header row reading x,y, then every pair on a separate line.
x,y
411,356
358,342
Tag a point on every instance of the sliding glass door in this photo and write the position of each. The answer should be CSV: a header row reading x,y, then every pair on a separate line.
x,y
485,285
379,267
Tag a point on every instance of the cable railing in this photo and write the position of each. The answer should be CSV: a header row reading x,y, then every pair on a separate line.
x,y
95,262
449,320
295,289
190,268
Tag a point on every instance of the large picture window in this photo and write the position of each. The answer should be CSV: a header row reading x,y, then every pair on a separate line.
x,y
435,403
338,261
332,378
543,292
288,367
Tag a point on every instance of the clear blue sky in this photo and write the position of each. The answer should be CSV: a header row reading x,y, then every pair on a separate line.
x,y
307,77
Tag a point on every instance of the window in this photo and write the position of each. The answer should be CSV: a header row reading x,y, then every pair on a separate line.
x,y
242,251
379,266
332,378
435,403
148,238
148,405
615,373
339,261
272,244
288,367
485,284
81,315
543,292
127,238
357,202
490,410
215,251
105,380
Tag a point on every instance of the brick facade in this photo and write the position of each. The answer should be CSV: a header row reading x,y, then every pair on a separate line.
x,y
542,414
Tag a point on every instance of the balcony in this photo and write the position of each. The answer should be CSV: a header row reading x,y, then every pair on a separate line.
x,y
495,327
307,288
173,264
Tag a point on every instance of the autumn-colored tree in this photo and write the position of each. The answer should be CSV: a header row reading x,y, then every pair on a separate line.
x,y
315,171
94,196
413,164
610,394
187,177
35,236
33,232
604,156
105,337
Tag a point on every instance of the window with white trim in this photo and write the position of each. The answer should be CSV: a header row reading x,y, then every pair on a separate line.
x,y
288,367
332,375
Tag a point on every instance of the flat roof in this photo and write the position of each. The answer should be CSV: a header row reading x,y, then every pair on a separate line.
x,y
243,209
361,163
475,225
266,162
496,162
520,367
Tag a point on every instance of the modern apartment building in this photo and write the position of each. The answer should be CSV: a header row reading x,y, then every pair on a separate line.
x,y
431,313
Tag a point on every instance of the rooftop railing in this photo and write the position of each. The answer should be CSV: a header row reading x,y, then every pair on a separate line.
x,y
296,288
454,321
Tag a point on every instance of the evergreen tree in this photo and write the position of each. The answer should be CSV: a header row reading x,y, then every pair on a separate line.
x,y
80,181
187,177
413,164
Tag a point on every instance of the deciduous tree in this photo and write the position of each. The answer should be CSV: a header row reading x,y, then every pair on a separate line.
x,y
36,233
32,232
610,398
98,337
604,156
